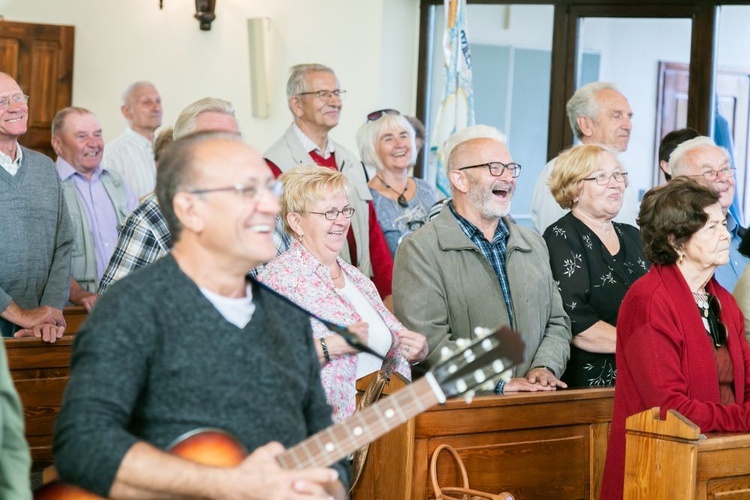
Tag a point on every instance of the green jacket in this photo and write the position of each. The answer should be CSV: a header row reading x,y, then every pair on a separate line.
x,y
15,460
444,288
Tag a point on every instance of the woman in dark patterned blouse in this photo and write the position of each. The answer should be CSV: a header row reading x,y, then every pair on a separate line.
x,y
594,260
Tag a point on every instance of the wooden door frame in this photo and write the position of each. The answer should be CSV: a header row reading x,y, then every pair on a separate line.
x,y
567,18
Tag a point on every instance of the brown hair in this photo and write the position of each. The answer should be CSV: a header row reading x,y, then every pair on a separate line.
x,y
670,215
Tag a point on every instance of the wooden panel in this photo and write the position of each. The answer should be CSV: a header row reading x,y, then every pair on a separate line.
x,y
669,459
43,67
547,463
44,57
40,372
535,446
9,56
74,318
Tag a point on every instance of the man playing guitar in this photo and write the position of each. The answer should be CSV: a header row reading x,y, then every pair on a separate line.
x,y
188,342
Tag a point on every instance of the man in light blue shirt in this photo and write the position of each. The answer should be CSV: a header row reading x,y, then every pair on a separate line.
x,y
709,164
98,199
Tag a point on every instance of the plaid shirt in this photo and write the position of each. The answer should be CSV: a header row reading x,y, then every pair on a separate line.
x,y
493,252
145,237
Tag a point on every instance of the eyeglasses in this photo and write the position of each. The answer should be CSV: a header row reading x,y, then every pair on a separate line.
x,y
377,115
326,95
413,225
333,213
717,329
602,178
711,174
17,98
275,187
497,169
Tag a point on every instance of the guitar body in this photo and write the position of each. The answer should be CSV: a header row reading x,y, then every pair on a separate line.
x,y
472,367
204,446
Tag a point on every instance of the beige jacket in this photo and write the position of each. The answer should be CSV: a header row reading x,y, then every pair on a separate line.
x,y
444,288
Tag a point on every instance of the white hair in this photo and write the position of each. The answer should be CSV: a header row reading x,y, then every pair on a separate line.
x,y
677,161
469,134
585,103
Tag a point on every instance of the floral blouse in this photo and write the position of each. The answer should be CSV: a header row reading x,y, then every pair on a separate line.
x,y
299,276
592,284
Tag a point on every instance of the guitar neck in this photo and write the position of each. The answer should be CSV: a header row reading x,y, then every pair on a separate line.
x,y
344,438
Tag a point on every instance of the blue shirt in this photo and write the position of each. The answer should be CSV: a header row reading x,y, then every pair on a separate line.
x,y
728,274
493,252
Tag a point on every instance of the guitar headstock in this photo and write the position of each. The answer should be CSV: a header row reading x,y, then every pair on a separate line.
x,y
478,364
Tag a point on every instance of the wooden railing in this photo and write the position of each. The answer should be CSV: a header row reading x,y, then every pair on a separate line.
x,y
40,372
535,446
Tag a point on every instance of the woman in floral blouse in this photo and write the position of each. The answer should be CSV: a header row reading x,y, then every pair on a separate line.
x,y
315,211
593,259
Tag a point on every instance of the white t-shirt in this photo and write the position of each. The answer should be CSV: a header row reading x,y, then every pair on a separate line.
x,y
378,334
238,311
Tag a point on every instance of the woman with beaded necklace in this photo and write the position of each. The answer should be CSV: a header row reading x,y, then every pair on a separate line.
x,y
386,142
680,339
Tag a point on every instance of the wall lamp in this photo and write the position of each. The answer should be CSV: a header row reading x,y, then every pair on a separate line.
x,y
204,12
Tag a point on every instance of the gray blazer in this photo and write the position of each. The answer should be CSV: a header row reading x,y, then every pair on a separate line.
x,y
443,287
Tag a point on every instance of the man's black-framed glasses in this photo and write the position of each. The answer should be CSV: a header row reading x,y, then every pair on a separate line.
x,y
249,192
326,95
333,213
602,178
497,169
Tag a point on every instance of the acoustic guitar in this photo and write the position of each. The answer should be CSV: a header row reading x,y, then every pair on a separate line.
x,y
461,372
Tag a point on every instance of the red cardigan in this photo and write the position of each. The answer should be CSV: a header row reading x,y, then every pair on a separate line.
x,y
665,358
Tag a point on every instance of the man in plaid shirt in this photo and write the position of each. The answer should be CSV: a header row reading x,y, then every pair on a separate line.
x,y
145,237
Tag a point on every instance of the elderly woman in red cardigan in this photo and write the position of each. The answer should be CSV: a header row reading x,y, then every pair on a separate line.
x,y
680,341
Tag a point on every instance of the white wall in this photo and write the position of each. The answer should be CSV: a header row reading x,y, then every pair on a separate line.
x,y
634,66
371,44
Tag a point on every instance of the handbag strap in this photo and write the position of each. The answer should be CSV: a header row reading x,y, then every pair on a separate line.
x,y
370,396
433,469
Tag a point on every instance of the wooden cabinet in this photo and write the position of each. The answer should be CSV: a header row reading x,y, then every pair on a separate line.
x,y
534,446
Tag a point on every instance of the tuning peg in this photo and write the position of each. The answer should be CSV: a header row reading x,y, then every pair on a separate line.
x,y
498,366
462,342
461,386
479,376
489,385
445,353
469,397
481,332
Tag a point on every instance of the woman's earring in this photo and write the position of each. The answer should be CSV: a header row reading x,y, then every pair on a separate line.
x,y
682,257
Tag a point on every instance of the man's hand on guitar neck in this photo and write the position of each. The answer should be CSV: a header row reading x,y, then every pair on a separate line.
x,y
146,472
261,474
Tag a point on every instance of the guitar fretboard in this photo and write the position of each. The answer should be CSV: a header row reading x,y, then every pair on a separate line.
x,y
344,438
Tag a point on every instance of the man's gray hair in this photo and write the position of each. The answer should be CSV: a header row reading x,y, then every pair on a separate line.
x,y
127,94
584,103
677,161
58,122
296,83
468,134
186,122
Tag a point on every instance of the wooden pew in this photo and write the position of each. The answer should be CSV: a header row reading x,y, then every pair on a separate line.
x,y
534,446
74,318
40,372
670,459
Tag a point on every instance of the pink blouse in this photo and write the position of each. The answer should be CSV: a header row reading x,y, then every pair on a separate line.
x,y
298,275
